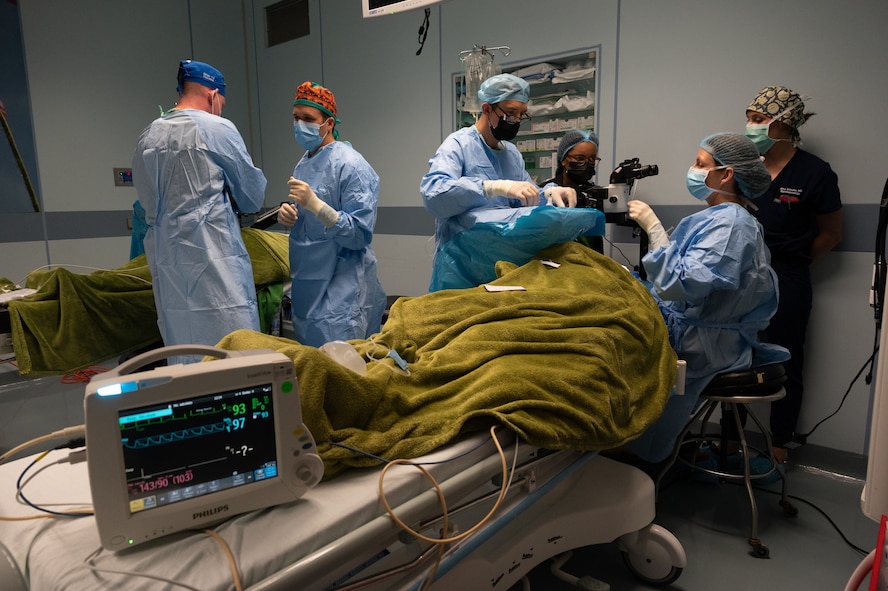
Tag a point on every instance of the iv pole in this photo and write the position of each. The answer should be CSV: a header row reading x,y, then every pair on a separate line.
x,y
20,162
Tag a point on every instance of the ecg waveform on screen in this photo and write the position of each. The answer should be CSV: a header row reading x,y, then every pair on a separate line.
x,y
175,436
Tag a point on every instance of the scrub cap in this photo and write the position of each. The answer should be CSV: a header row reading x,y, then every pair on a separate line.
x,y
572,138
314,95
205,74
504,87
738,152
774,100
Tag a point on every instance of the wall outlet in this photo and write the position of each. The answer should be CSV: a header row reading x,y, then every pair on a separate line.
x,y
123,177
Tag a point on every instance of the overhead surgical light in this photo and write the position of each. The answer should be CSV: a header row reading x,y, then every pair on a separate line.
x,y
478,66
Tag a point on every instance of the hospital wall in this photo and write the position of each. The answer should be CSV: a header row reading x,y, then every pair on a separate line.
x,y
669,74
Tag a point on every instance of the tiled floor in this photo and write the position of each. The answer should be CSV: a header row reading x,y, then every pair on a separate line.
x,y
712,522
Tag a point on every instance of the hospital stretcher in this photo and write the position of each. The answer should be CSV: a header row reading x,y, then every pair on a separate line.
x,y
339,536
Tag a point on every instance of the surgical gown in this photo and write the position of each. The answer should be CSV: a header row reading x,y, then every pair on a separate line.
x,y
716,290
336,294
191,169
454,183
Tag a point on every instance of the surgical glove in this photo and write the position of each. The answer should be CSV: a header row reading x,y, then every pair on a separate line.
x,y
642,213
287,214
302,194
561,196
525,192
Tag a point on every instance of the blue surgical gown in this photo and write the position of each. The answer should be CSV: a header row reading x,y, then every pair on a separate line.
x,y
190,169
454,183
336,294
716,290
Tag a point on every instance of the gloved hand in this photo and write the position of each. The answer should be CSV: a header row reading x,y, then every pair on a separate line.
x,y
642,213
301,193
525,192
287,214
561,196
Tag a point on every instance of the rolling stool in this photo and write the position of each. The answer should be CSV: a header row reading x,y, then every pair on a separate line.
x,y
730,390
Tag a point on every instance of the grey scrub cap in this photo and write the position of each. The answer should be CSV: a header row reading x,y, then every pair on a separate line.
x,y
572,138
504,87
738,152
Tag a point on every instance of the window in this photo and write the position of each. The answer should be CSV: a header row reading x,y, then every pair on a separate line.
x,y
286,20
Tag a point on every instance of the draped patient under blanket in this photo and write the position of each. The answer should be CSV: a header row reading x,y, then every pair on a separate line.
x,y
74,321
579,359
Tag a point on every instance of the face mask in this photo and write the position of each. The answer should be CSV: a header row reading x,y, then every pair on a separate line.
x,y
758,133
696,183
307,134
505,131
579,173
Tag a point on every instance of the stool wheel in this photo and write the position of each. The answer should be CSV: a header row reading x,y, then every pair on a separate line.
x,y
789,510
759,550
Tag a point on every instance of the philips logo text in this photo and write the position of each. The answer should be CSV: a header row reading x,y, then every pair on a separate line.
x,y
209,512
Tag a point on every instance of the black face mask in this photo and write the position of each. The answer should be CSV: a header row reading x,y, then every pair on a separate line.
x,y
505,131
580,173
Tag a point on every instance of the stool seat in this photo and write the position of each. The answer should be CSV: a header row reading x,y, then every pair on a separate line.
x,y
732,390
755,381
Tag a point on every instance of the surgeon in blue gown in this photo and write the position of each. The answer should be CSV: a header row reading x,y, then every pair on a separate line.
x,y
478,167
712,279
336,294
193,174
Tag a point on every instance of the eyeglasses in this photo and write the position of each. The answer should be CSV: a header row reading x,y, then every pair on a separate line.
x,y
513,118
582,160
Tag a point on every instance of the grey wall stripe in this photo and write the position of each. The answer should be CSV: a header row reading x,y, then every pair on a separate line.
x,y
860,224
63,225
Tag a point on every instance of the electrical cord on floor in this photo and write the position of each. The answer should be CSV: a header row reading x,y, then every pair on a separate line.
x,y
803,437
795,498
819,510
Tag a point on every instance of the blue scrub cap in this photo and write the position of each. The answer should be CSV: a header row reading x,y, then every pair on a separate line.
x,y
574,137
738,152
504,87
205,74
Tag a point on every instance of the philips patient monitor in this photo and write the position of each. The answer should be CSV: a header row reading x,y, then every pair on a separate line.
x,y
181,447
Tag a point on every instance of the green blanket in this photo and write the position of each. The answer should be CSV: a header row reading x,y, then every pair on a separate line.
x,y
74,321
580,360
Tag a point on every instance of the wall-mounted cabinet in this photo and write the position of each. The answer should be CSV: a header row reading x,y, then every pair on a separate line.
x,y
563,96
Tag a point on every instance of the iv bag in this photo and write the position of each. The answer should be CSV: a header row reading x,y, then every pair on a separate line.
x,y
473,65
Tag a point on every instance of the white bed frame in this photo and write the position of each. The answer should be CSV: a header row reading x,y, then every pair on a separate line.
x,y
557,502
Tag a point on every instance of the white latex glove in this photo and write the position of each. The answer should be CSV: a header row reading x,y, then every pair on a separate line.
x,y
642,213
302,194
527,193
287,214
561,196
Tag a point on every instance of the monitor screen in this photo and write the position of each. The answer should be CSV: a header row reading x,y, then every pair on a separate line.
x,y
381,7
197,445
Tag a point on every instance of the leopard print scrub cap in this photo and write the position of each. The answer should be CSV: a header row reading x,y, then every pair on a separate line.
x,y
314,95
774,100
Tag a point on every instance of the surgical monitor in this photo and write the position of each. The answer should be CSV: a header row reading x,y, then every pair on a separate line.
x,y
182,447
373,8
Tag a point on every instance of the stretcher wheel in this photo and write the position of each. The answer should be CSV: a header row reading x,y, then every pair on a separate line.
x,y
653,555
